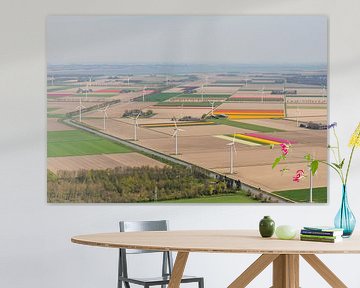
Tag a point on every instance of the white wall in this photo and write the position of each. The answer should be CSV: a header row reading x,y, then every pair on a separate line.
x,y
35,248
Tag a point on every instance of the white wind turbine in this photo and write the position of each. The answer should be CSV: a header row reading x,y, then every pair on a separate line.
x,y
86,91
52,80
176,132
128,80
297,115
202,92
80,107
136,124
143,93
212,107
246,80
105,115
232,151
182,111
262,94
323,93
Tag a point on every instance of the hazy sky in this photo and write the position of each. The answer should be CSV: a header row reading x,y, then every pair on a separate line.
x,y
187,39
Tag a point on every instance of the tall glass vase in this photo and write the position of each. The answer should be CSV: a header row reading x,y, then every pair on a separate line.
x,y
345,219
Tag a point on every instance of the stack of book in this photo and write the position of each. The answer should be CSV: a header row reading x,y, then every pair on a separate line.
x,y
321,234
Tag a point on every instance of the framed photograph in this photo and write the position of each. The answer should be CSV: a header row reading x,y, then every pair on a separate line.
x,y
186,109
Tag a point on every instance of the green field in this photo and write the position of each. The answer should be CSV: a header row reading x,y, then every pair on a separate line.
x,y
157,97
187,104
245,125
303,195
267,99
77,143
207,96
54,115
92,94
225,198
57,88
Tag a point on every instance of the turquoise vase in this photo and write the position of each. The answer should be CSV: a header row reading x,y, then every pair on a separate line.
x,y
345,219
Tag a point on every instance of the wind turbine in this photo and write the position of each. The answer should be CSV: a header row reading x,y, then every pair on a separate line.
x,y
212,107
143,93
105,115
52,80
246,80
297,115
182,111
323,93
128,80
262,94
232,151
136,125
202,92
176,132
86,91
80,107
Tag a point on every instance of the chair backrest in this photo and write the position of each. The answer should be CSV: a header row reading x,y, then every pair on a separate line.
x,y
137,226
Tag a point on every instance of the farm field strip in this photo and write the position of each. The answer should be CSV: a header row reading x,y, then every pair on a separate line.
x,y
249,126
188,123
58,88
199,95
103,161
240,197
256,139
271,138
186,104
76,143
237,140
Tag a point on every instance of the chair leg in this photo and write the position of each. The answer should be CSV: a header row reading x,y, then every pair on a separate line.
x,y
201,283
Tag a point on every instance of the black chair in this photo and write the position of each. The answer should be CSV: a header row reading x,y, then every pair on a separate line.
x,y
167,262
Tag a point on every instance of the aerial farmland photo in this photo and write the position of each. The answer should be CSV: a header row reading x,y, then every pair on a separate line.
x,y
171,109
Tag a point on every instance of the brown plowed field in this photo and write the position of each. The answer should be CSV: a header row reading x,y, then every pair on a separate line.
x,y
54,125
104,161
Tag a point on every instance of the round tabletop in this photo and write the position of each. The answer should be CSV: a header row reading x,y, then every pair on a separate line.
x,y
216,241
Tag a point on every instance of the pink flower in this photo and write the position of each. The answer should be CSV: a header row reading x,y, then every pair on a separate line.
x,y
299,175
284,149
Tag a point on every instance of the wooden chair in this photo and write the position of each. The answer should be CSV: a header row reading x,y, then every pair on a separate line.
x,y
167,262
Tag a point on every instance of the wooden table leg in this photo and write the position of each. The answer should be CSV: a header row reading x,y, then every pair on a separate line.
x,y
324,271
253,270
286,271
178,270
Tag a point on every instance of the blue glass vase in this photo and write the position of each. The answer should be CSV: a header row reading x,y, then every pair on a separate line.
x,y
345,219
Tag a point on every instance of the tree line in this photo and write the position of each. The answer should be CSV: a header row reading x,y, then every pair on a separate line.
x,y
132,184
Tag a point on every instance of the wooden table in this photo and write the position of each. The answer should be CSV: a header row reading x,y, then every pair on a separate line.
x,y
284,254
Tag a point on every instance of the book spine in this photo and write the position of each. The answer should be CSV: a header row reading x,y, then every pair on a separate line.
x,y
317,239
319,233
